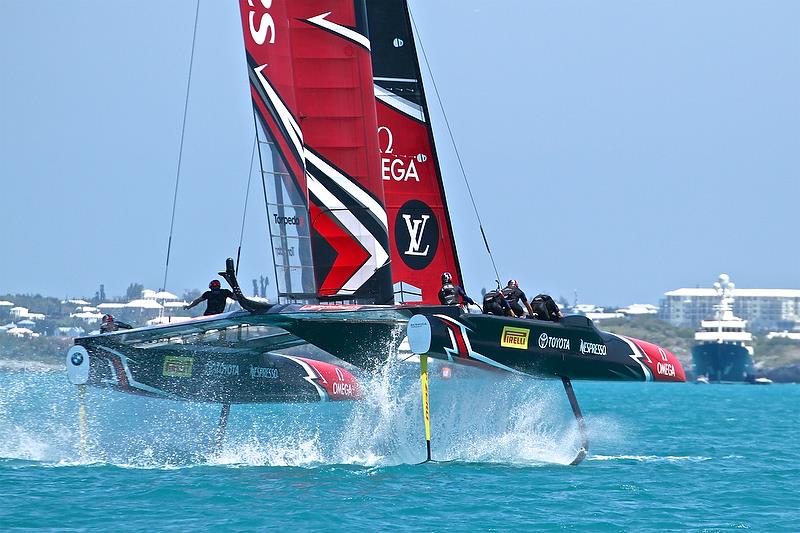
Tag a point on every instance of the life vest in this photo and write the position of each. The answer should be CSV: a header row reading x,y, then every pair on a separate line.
x,y
448,294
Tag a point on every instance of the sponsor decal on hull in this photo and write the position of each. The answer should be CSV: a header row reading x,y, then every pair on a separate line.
x,y
558,343
343,388
263,372
515,338
592,348
176,366
219,369
665,369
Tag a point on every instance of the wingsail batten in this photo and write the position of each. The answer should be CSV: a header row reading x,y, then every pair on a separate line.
x,y
422,244
311,82
402,105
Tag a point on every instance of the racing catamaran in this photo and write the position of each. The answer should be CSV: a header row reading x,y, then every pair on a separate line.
x,y
360,233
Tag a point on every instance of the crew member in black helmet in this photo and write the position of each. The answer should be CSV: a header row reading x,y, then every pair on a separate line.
x,y
451,294
108,324
215,298
513,294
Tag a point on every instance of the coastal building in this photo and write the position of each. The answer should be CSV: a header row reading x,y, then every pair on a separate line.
x,y
5,308
791,335
19,312
763,309
638,309
27,323
21,332
593,312
152,306
88,316
73,331
74,302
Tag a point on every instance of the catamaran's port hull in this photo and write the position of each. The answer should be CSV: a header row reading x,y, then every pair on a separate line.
x,y
226,365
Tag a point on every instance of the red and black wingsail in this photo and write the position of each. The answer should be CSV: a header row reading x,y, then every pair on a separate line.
x,y
422,243
311,84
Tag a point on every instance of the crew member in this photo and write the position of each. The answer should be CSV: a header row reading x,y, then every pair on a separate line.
x,y
513,294
545,308
451,294
494,303
216,298
108,324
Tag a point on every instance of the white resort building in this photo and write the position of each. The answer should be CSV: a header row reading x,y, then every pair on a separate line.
x,y
764,309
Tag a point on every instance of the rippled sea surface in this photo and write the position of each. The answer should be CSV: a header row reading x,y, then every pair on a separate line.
x,y
662,457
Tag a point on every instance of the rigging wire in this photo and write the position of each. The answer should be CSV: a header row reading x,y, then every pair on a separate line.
x,y
246,198
180,150
455,147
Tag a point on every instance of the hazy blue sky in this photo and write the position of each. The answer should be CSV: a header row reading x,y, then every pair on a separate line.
x,y
620,148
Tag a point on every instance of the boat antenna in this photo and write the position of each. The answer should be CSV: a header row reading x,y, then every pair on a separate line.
x,y
455,147
180,150
246,197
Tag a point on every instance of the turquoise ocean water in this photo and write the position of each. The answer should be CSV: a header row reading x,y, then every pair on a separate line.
x,y
662,457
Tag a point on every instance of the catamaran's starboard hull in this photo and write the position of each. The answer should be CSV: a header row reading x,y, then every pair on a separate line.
x,y
214,366
571,348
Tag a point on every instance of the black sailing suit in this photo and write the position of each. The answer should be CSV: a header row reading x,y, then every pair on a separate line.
x,y
216,299
449,295
495,304
114,325
513,295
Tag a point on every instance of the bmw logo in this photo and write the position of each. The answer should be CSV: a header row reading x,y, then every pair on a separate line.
x,y
77,358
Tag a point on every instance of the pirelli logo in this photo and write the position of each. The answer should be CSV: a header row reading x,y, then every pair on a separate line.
x,y
176,366
515,338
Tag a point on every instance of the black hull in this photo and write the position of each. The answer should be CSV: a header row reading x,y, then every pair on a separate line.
x,y
231,358
366,335
572,348
217,365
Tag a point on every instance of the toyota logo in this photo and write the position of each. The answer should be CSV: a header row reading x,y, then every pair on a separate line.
x,y
543,340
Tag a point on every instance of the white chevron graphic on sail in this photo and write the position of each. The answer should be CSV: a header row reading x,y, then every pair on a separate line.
x,y
344,31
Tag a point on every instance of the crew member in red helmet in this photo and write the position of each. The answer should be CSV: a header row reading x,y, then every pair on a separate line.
x,y
109,324
513,295
216,298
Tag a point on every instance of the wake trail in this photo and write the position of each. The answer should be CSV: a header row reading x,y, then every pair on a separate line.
x,y
477,417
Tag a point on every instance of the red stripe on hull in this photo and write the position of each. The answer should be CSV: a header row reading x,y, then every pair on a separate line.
x,y
337,382
661,362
